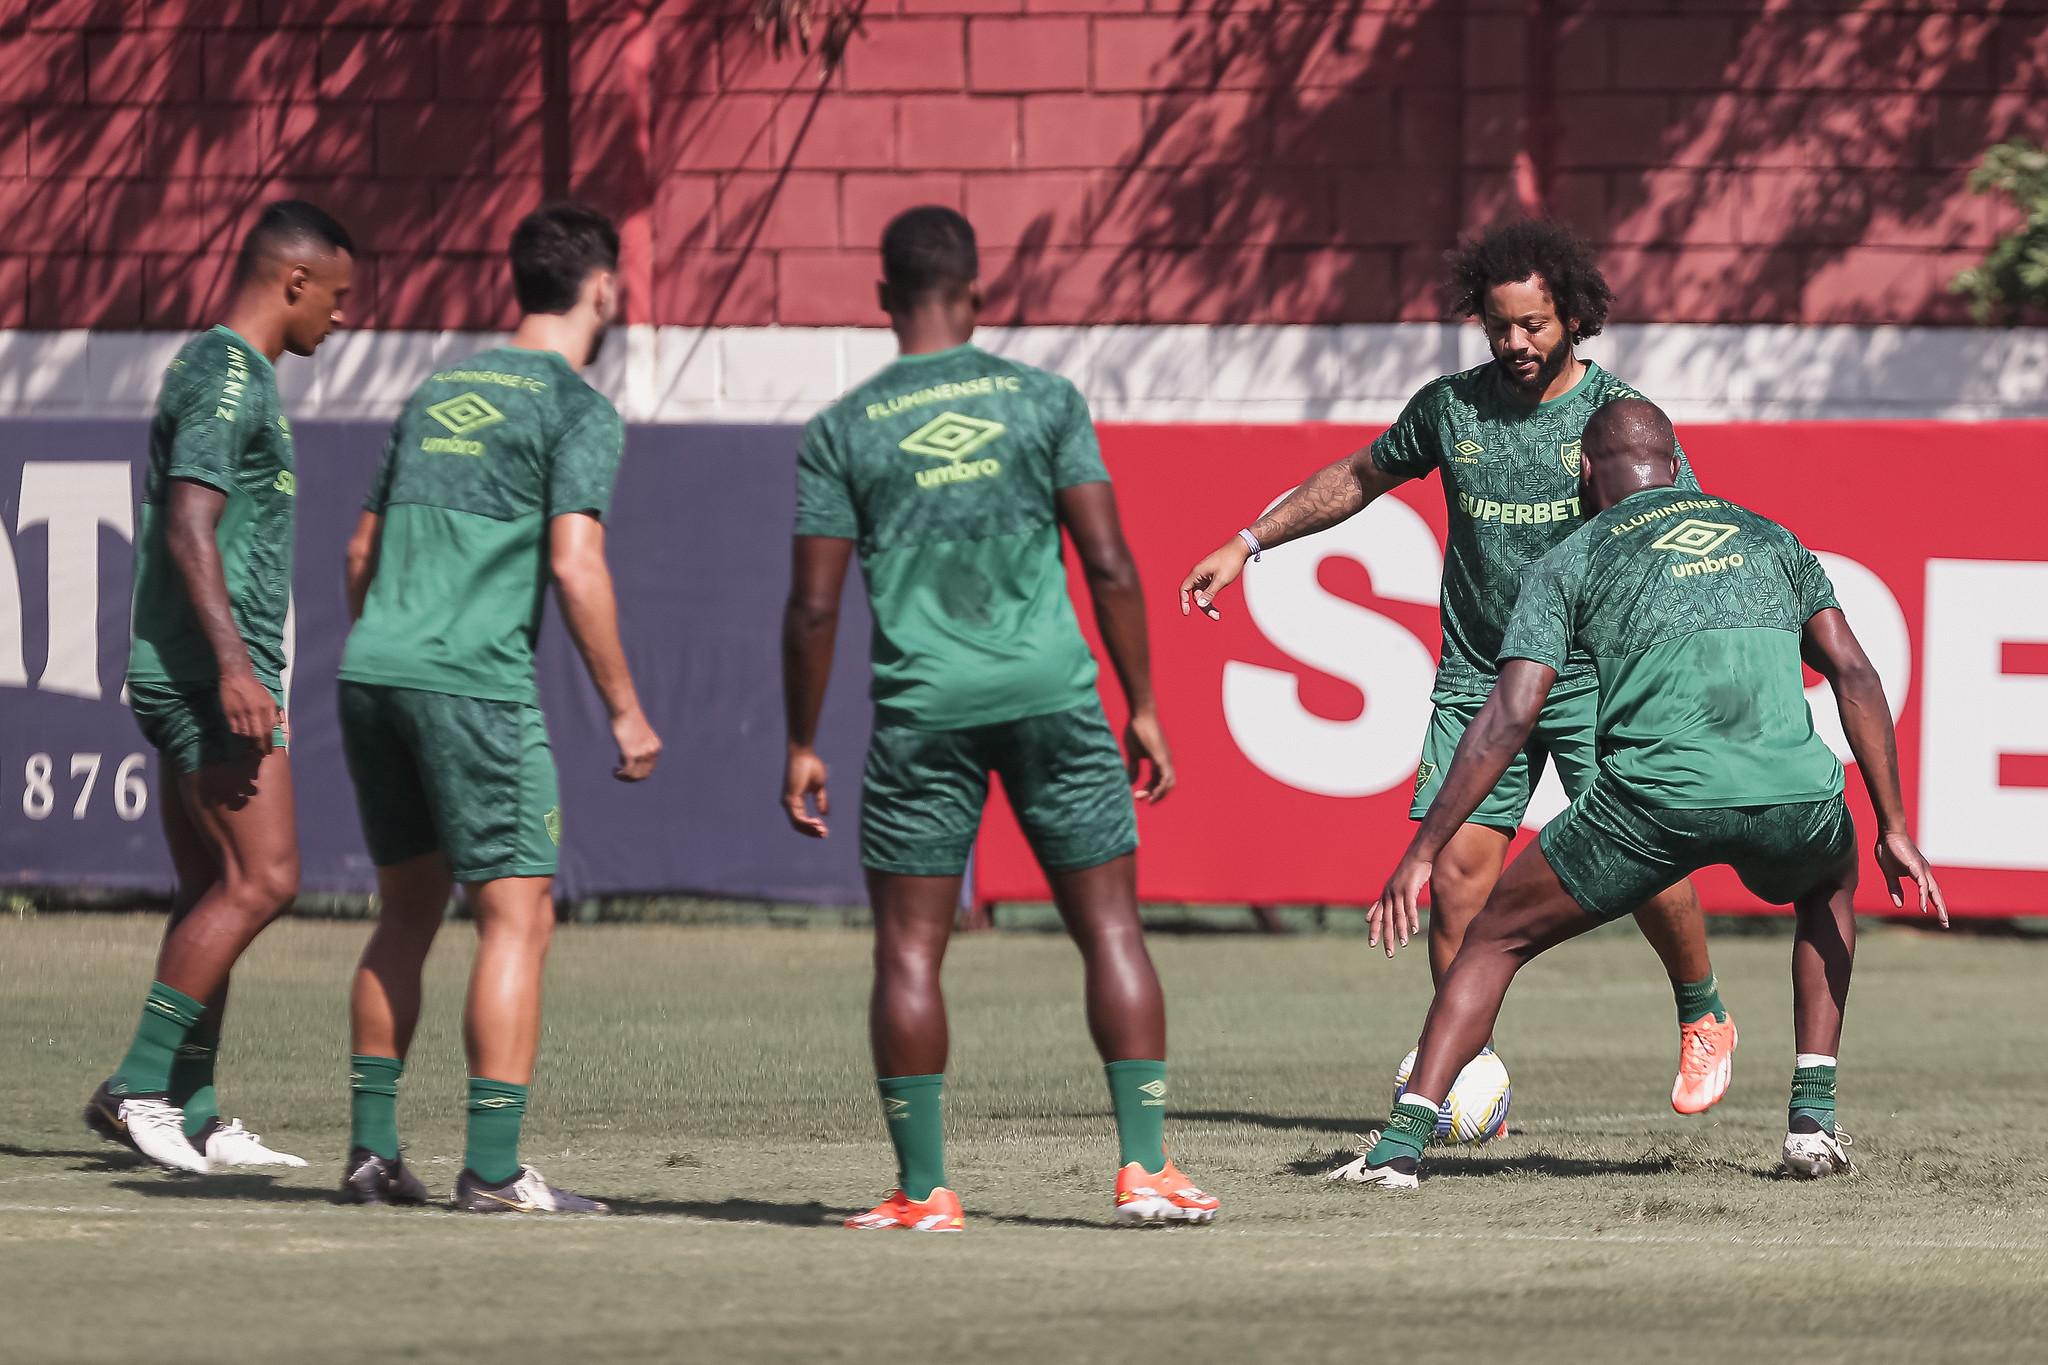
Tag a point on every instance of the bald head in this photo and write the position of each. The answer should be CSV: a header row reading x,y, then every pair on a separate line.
x,y
1628,446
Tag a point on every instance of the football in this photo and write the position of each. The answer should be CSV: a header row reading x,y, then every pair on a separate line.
x,y
1476,1110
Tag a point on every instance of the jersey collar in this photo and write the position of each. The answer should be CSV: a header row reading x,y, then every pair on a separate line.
x,y
254,350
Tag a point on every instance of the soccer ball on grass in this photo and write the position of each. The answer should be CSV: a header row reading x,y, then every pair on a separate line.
x,y
1476,1110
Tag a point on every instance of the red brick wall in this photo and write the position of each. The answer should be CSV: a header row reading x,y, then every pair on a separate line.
x,y
1737,160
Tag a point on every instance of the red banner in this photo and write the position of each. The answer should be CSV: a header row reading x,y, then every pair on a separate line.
x,y
1296,722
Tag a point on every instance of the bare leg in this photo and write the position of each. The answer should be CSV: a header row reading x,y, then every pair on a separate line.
x,y
907,1009
243,810
384,1004
1529,912
196,868
1126,1009
1823,953
1459,883
1672,922
515,922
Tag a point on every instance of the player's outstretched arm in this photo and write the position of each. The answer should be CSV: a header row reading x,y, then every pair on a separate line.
x,y
583,586
1088,510
1332,494
1490,743
1832,650
362,561
810,625
195,514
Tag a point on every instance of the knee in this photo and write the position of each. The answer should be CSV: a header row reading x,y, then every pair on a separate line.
x,y
263,893
1455,886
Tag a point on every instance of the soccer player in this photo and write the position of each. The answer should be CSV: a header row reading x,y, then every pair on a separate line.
x,y
1696,613
496,479
1505,438
206,660
952,472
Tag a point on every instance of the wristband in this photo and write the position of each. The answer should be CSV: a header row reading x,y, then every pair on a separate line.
x,y
1251,541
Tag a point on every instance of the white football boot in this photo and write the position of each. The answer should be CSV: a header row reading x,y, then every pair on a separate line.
x,y
156,1128
1387,1177
230,1144
1816,1154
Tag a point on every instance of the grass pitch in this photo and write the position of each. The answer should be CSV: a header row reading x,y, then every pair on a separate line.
x,y
713,1084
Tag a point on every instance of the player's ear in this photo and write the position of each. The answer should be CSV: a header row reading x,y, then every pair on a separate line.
x,y
975,299
295,282
883,300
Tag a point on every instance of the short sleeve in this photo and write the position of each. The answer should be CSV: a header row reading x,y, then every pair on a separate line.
x,y
824,503
1077,458
586,462
1541,627
1409,447
210,434
1810,583
380,488
1686,478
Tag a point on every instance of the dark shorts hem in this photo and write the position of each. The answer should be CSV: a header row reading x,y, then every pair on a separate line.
x,y
492,874
895,869
1082,862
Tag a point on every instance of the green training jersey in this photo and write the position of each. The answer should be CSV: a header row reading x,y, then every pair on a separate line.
x,y
1511,489
218,422
1691,609
483,457
943,469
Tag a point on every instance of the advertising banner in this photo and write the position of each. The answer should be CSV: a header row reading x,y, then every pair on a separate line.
x,y
1297,721
698,540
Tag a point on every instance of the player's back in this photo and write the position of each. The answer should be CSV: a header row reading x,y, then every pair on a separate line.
x,y
1692,610
480,460
944,469
218,422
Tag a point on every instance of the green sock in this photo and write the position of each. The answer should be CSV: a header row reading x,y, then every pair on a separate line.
x,y
496,1109
373,1104
167,1016
1813,1096
917,1128
1696,998
1137,1091
192,1084
1409,1129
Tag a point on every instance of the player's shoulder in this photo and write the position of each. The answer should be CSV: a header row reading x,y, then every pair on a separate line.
x,y
212,352
1603,386
1462,390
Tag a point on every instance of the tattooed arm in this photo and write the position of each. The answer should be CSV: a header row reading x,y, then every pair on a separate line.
x,y
1328,496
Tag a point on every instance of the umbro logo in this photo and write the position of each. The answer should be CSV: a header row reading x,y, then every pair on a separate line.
x,y
465,413
1468,448
951,436
1154,1088
893,1108
1695,537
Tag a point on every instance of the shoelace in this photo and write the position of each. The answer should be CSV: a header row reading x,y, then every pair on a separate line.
x,y
1699,1047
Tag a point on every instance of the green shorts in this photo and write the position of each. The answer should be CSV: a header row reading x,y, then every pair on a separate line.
x,y
184,723
470,777
1612,852
1563,735
923,790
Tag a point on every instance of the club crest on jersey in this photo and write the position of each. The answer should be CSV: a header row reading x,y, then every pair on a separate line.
x,y
1568,455
953,437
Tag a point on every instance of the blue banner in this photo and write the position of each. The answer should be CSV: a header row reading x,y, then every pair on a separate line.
x,y
698,540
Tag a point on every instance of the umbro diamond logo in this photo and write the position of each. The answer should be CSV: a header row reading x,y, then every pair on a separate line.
x,y
893,1108
465,413
951,436
1154,1088
1468,447
1695,537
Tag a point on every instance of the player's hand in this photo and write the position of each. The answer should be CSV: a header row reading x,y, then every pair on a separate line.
x,y
1898,856
639,746
805,776
251,711
1143,741
1397,914
1212,576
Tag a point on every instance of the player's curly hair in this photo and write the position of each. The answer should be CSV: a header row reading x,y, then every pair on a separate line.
x,y
1510,252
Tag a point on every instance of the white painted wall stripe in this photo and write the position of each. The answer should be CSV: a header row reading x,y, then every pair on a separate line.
x,y
1358,373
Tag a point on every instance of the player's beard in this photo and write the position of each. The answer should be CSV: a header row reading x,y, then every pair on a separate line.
x,y
1548,368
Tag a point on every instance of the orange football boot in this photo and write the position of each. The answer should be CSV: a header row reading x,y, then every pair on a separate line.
x,y
938,1212
1161,1196
1706,1055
